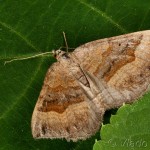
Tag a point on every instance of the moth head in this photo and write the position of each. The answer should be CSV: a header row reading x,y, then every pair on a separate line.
x,y
59,54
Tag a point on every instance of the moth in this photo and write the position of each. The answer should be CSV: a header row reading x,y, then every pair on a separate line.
x,y
83,84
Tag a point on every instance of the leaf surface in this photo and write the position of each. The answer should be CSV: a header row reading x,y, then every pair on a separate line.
x,y
128,129
28,28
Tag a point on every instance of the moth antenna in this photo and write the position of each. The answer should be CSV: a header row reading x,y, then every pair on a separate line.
x,y
65,41
24,58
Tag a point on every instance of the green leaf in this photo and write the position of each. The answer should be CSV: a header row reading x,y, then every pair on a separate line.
x,y
28,28
128,129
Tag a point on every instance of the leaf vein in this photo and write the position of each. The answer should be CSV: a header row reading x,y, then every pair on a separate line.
x,y
104,15
19,35
23,93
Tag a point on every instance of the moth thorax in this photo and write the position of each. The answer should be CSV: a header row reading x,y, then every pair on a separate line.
x,y
59,53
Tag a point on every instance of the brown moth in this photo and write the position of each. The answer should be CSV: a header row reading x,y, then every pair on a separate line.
x,y
95,77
